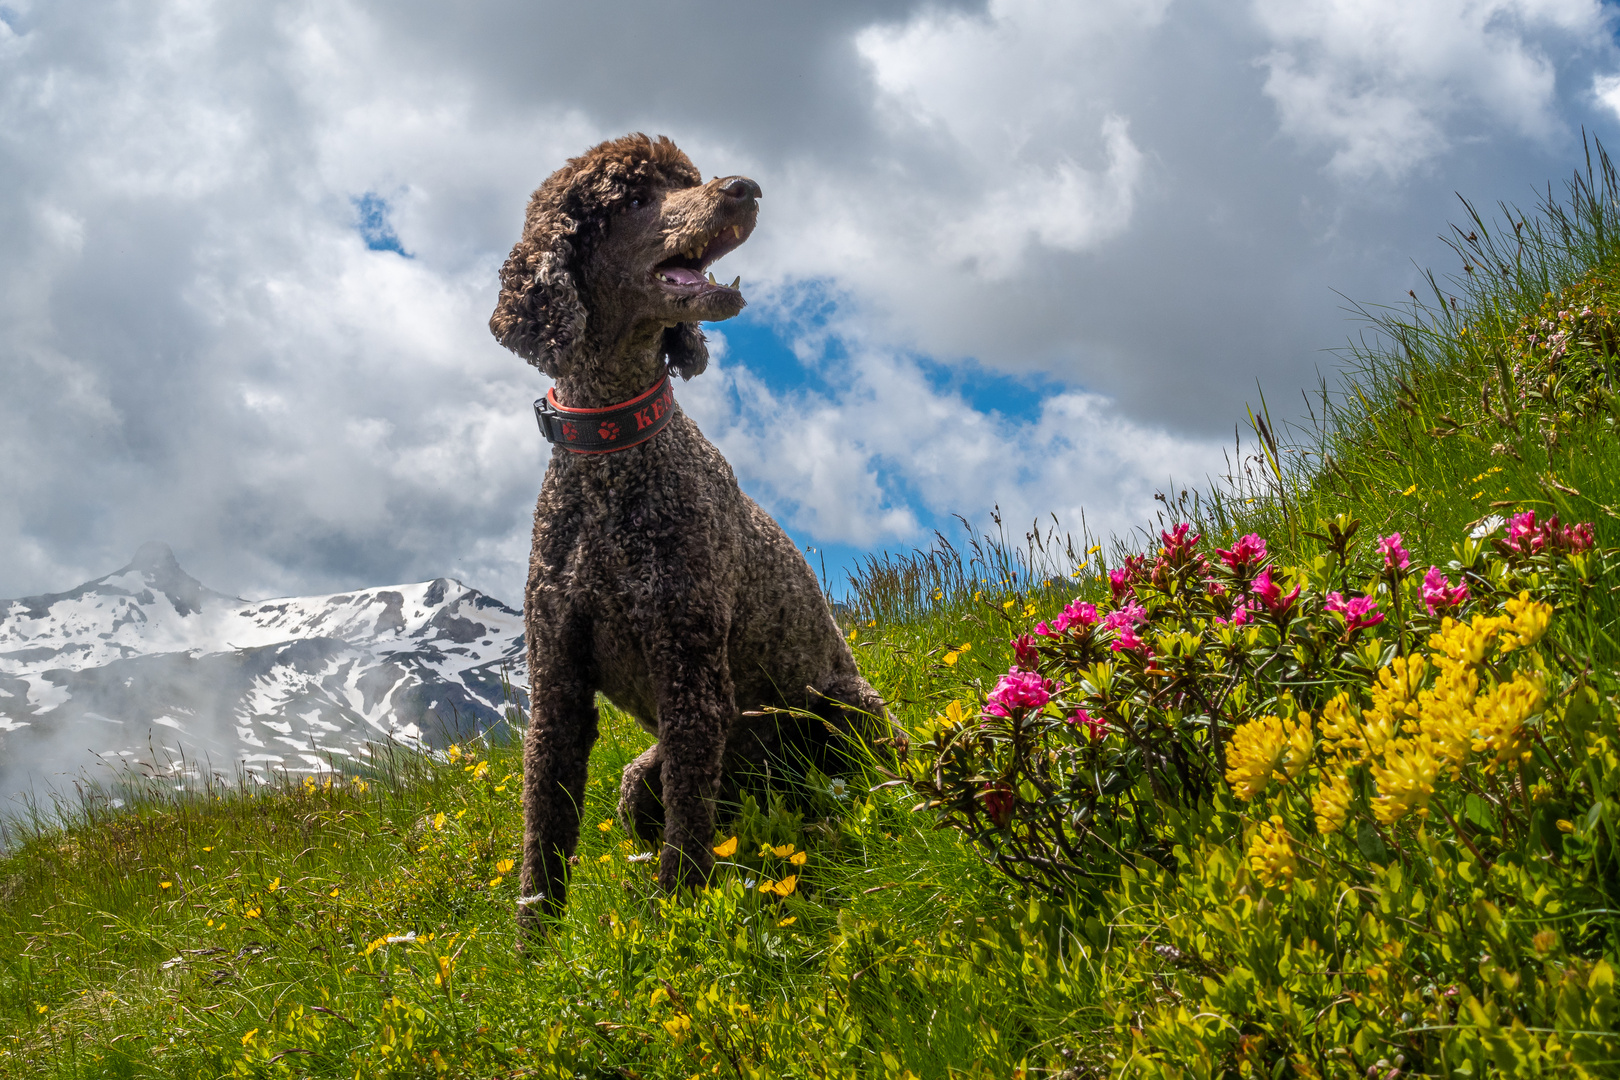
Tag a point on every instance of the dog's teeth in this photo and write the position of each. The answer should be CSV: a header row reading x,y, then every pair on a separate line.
x,y
738,283
736,230
711,278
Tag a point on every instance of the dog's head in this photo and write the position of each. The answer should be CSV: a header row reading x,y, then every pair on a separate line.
x,y
619,241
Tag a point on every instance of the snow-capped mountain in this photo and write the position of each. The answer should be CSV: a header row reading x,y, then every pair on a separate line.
x,y
146,665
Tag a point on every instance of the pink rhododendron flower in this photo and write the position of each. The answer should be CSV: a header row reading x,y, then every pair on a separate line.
x,y
1395,556
1579,537
1358,611
1078,617
1178,545
1126,638
1019,690
1248,551
1024,653
1240,615
1094,726
1122,580
1523,536
1270,594
1124,618
1438,592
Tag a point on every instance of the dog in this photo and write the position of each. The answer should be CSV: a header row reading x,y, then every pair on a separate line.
x,y
653,579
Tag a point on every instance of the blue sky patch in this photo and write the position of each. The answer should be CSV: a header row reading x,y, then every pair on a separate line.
x,y
373,224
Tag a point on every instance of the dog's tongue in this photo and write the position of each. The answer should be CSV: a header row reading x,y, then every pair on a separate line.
x,y
680,275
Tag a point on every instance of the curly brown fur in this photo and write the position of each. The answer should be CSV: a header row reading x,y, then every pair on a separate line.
x,y
654,580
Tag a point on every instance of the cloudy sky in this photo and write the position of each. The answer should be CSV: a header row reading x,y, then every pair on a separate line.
x,y
1030,253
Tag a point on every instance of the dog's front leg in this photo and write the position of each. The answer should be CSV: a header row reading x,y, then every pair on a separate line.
x,y
562,729
695,711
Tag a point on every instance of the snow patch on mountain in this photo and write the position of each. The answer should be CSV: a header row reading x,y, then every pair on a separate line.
x,y
147,667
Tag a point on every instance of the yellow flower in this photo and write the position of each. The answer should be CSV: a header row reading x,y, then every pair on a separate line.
x,y
453,752
252,913
481,771
165,884
606,825
950,658
1467,642
1529,622
1271,855
359,786
1396,691
1267,747
334,891
799,858
275,884
658,994
789,921
249,1036
1405,778
606,858
678,1026
1341,729
1446,711
1499,717
439,820
727,849
1331,802
505,866
783,887
1565,825
782,851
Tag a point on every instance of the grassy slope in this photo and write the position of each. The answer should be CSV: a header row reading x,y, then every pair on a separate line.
x,y
896,951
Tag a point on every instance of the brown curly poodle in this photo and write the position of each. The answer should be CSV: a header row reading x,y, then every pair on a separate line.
x,y
654,580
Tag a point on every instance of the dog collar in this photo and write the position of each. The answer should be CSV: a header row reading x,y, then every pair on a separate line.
x,y
603,431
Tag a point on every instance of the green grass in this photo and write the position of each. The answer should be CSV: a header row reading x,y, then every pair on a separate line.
x,y
245,931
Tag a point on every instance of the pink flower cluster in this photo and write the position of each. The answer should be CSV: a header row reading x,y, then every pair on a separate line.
x,y
1270,594
1123,622
1095,727
1180,544
1439,595
1077,618
1527,538
1019,690
1395,556
1025,658
1122,579
1247,553
1358,611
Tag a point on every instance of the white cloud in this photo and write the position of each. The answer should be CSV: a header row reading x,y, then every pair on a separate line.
x,y
859,464
1606,88
196,345
1383,83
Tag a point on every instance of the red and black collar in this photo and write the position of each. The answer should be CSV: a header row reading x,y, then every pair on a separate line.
x,y
602,431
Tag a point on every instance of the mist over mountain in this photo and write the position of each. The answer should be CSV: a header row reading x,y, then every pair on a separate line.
x,y
146,668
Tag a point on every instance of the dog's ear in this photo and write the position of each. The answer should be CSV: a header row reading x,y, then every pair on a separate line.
x,y
539,314
686,348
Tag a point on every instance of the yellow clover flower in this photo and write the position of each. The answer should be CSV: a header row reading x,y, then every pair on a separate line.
x,y
1271,855
1266,747
1529,622
1499,716
1405,778
1331,802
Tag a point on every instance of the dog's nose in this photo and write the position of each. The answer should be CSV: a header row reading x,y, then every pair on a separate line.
x,y
740,187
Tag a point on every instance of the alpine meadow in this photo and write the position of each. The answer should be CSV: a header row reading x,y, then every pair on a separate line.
x,y
1318,775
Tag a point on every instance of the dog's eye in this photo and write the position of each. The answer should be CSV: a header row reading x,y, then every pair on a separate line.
x,y
635,204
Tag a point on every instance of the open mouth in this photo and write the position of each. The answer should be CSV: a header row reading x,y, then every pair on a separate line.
x,y
687,273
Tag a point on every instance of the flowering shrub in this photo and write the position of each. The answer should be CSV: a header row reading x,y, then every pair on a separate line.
x,y
1355,687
